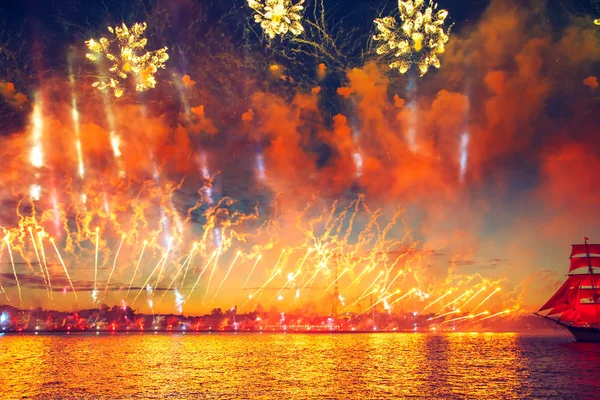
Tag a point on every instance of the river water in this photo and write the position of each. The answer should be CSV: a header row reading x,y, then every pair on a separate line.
x,y
298,366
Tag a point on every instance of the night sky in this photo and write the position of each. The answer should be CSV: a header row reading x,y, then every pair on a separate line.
x,y
493,158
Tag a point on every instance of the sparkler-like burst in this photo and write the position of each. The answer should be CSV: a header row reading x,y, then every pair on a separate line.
x,y
278,17
127,57
419,40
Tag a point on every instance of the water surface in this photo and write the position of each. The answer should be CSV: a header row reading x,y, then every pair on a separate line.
x,y
297,366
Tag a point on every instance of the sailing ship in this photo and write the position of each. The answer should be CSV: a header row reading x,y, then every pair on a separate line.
x,y
576,304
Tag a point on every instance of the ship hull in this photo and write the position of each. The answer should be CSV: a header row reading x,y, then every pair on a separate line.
x,y
582,334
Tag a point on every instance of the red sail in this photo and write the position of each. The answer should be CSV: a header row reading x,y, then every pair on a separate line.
x,y
583,249
577,300
584,262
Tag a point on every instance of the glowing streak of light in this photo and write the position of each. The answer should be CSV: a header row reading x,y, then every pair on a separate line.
x,y
312,278
64,268
201,273
113,267
443,315
160,271
136,268
36,156
472,297
436,300
252,270
5,294
96,259
371,285
190,259
12,261
187,260
75,117
453,302
464,154
43,252
261,288
37,255
382,300
333,283
367,269
403,296
145,285
486,299
226,276
400,273
212,272
277,263
495,315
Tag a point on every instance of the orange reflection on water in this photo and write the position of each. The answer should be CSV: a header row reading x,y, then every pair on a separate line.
x,y
291,366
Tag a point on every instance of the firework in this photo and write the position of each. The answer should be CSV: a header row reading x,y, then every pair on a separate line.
x,y
486,299
472,297
201,273
597,21
252,270
226,276
495,315
136,267
113,267
278,17
127,57
437,300
419,40
37,255
64,268
12,261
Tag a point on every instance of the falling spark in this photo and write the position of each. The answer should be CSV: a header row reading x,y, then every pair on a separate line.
x,y
419,40
464,154
113,267
495,315
37,255
36,156
12,261
472,297
136,267
252,270
278,17
486,299
201,273
75,117
436,300
64,267
226,276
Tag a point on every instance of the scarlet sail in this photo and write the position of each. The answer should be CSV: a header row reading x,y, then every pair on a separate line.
x,y
576,304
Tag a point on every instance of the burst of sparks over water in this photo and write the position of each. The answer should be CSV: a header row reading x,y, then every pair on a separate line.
x,y
226,276
64,268
251,270
137,266
113,267
419,40
12,261
278,17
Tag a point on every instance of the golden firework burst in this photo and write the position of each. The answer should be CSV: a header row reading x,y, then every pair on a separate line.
x,y
420,38
127,57
278,17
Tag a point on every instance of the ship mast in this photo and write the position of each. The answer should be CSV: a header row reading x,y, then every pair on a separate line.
x,y
592,276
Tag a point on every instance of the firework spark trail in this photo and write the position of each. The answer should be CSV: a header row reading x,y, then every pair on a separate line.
x,y
5,294
190,259
277,263
201,273
113,268
367,292
162,266
472,297
37,255
226,276
12,261
495,315
252,270
143,287
183,265
312,278
443,315
453,302
367,269
212,272
382,300
43,252
36,156
261,288
403,296
96,263
64,268
400,272
456,319
333,283
372,284
136,268
75,116
436,300
486,299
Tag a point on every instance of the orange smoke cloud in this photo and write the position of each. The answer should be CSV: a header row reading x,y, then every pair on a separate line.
x,y
11,96
187,81
591,82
